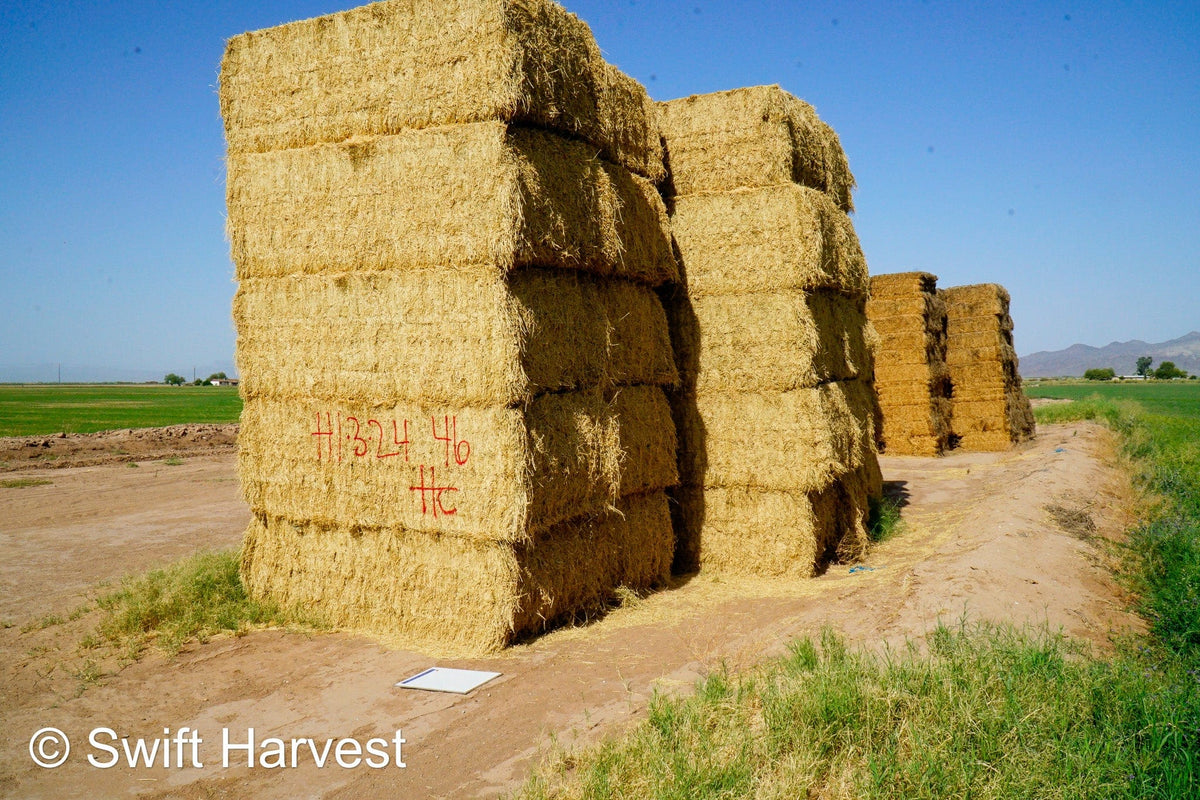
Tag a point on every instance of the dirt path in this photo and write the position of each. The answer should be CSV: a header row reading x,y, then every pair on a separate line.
x,y
978,538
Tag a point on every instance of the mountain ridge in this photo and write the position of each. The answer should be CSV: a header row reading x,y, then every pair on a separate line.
x,y
1073,361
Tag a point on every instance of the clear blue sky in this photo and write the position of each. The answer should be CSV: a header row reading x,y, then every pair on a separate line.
x,y
1052,147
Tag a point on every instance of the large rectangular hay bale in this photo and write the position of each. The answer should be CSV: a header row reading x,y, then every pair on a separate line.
x,y
745,530
457,338
481,197
801,440
750,137
767,342
455,593
770,239
391,66
491,473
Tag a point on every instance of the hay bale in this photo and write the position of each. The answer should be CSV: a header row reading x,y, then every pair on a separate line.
x,y
452,593
360,337
767,342
991,411
747,530
772,239
494,473
912,380
751,137
800,441
391,66
483,197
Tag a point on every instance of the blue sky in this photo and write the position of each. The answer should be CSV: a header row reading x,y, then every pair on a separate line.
x,y
1052,147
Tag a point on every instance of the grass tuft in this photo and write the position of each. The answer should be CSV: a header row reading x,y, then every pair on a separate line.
x,y
24,483
884,519
195,598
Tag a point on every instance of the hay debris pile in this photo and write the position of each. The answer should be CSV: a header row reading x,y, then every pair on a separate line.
x,y
446,235
991,411
774,410
911,378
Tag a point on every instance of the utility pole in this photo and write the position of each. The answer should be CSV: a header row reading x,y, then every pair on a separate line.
x,y
60,373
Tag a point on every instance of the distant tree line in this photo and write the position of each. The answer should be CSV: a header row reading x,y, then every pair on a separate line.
x,y
171,379
1166,371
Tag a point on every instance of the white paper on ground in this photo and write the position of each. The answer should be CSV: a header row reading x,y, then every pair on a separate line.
x,y
444,679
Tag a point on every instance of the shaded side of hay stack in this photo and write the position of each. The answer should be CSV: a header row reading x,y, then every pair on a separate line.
x,y
911,378
991,411
775,413
453,357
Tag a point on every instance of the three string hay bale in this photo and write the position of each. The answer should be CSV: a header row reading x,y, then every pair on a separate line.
x,y
774,413
912,380
447,240
991,412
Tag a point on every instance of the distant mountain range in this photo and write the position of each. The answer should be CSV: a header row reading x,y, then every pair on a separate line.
x,y
1121,356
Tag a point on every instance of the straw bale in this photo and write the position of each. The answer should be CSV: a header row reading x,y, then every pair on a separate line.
x,y
917,429
922,305
491,473
770,239
482,197
767,342
903,285
800,440
976,300
455,338
456,595
987,323
928,322
745,530
391,66
756,136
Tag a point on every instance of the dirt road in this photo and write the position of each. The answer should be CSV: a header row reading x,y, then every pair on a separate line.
x,y
977,540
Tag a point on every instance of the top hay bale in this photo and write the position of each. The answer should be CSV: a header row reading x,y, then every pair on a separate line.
x,y
752,137
390,66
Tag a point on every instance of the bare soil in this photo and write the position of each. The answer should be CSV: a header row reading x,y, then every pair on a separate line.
x,y
60,450
977,540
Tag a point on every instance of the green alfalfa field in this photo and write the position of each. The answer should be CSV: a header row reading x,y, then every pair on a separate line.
x,y
36,409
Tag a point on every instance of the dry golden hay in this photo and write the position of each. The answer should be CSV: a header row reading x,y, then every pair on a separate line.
x,y
490,473
928,322
801,440
386,67
767,342
756,136
461,339
903,285
455,595
745,530
911,377
771,239
483,197
990,410
976,300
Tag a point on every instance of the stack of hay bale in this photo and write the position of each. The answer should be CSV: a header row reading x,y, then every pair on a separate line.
x,y
775,411
446,236
911,378
991,411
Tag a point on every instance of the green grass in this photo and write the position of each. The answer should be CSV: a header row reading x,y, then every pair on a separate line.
x,y
24,483
195,598
33,410
988,711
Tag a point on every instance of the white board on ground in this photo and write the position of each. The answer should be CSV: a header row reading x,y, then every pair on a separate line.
x,y
444,679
